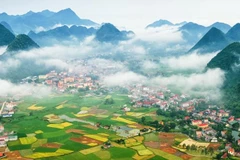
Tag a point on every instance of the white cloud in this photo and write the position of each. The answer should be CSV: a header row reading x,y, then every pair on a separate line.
x,y
192,61
7,64
123,79
2,49
204,84
8,88
164,34
149,65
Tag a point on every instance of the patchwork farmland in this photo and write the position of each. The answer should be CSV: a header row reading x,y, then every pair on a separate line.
x,y
75,127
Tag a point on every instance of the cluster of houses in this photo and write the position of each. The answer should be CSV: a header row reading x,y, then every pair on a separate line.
x,y
8,109
230,150
6,136
144,96
214,115
65,80
205,119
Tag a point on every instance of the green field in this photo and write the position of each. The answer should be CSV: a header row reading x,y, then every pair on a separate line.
x,y
26,122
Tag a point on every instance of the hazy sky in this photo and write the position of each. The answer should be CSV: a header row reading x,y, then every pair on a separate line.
x,y
135,13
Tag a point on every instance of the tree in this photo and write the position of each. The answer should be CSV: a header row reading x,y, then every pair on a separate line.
x,y
166,128
109,100
229,137
235,126
143,119
205,151
184,145
172,125
211,150
193,147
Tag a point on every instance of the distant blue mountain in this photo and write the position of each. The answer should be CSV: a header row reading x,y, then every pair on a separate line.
x,y
221,26
163,22
47,13
6,25
61,34
160,23
234,33
192,32
109,33
31,20
214,40
6,37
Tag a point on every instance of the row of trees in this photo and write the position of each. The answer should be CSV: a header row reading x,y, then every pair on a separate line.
x,y
159,127
204,150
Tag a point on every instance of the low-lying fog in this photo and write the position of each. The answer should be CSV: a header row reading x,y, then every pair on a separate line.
x,y
151,51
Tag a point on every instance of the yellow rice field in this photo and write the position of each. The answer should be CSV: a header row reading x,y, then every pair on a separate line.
x,y
139,138
59,107
85,109
142,150
96,137
66,124
123,120
138,157
60,126
134,114
28,140
104,134
59,152
35,108
38,131
90,150
92,144
83,115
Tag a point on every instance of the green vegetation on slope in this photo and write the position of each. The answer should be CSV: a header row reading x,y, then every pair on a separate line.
x,y
227,60
22,42
6,37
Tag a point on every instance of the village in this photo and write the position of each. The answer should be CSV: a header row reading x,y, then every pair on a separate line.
x,y
204,121
7,111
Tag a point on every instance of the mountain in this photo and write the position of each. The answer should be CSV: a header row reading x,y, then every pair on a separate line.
x,y
192,32
163,22
221,26
6,37
67,16
46,13
228,60
213,40
181,23
46,19
234,33
6,25
21,42
109,33
59,34
160,23
26,67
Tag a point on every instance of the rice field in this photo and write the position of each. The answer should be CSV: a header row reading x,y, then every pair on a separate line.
x,y
27,140
96,137
192,142
60,126
90,150
142,150
59,152
35,108
120,119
